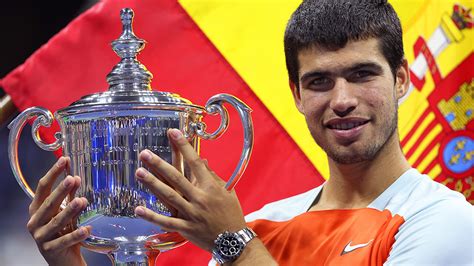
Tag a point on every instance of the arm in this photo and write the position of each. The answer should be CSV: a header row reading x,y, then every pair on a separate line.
x,y
204,208
255,254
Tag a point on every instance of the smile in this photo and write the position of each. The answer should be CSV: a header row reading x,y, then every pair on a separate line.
x,y
347,130
346,125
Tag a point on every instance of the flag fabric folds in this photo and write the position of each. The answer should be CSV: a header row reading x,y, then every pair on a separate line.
x,y
76,61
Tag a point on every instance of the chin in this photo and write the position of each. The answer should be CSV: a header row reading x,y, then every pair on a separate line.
x,y
347,159
360,154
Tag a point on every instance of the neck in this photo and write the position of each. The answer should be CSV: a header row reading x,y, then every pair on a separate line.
x,y
356,185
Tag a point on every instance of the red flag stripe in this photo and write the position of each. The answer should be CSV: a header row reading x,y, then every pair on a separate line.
x,y
415,127
428,129
184,61
430,166
427,150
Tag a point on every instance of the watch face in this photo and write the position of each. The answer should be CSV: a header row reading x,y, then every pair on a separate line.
x,y
230,246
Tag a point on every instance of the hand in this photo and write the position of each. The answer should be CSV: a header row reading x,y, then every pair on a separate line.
x,y
204,208
50,226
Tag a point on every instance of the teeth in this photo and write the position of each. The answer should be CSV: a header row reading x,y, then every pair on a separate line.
x,y
346,126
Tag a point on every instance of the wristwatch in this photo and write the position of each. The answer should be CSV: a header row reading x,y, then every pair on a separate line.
x,y
229,245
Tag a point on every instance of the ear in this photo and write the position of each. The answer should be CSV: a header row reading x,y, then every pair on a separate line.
x,y
296,96
402,82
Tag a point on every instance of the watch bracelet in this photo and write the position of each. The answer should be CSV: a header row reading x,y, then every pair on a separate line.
x,y
247,234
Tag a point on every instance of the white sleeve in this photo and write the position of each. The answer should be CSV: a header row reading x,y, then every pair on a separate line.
x,y
438,235
212,262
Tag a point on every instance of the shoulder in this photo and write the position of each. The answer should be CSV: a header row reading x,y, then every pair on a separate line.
x,y
285,209
413,193
426,197
438,227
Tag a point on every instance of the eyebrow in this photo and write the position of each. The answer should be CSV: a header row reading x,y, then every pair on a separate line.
x,y
377,68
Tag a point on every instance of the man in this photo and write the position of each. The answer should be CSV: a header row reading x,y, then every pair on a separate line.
x,y
347,71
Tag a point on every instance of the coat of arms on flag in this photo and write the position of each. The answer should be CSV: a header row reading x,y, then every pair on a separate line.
x,y
435,118
439,137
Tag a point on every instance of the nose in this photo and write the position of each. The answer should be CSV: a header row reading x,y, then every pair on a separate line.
x,y
343,100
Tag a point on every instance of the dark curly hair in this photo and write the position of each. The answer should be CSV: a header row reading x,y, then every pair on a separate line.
x,y
332,23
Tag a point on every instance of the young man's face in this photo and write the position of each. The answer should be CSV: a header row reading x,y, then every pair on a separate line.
x,y
349,99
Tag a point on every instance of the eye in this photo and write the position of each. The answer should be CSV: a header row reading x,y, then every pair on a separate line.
x,y
320,83
361,76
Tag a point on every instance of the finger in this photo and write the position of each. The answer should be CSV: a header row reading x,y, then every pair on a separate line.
x,y
170,224
77,184
163,200
51,204
68,165
177,162
176,158
72,196
61,220
189,154
76,217
163,191
166,171
68,240
46,183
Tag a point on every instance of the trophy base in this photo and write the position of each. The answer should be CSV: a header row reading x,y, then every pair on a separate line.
x,y
134,258
139,253
154,243
129,241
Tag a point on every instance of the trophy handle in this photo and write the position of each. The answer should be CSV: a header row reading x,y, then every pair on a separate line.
x,y
215,106
44,118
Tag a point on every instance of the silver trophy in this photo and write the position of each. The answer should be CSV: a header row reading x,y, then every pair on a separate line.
x,y
103,133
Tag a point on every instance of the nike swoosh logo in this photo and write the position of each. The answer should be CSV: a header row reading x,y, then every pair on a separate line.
x,y
348,248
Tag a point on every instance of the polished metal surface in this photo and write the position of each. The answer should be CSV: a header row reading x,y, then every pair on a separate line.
x,y
103,134
104,149
43,118
215,106
129,80
129,73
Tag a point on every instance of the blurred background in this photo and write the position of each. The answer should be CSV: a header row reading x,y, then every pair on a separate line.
x,y
25,26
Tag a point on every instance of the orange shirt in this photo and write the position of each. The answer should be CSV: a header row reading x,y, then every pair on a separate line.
x,y
415,221
333,237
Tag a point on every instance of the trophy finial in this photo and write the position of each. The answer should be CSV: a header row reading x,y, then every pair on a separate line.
x,y
129,73
126,16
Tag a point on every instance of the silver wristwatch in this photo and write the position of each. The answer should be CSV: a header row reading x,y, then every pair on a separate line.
x,y
229,245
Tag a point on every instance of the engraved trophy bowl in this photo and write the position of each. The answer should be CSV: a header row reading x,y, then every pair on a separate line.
x,y
103,134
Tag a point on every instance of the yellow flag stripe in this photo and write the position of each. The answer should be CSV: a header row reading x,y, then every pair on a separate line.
x,y
435,171
411,109
418,132
429,158
249,34
426,141
405,9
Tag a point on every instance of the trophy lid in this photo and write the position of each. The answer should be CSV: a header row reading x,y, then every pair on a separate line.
x,y
129,80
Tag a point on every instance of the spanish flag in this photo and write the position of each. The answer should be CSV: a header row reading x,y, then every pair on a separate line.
x,y
200,48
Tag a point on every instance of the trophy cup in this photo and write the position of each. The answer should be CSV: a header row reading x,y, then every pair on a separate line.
x,y
103,133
